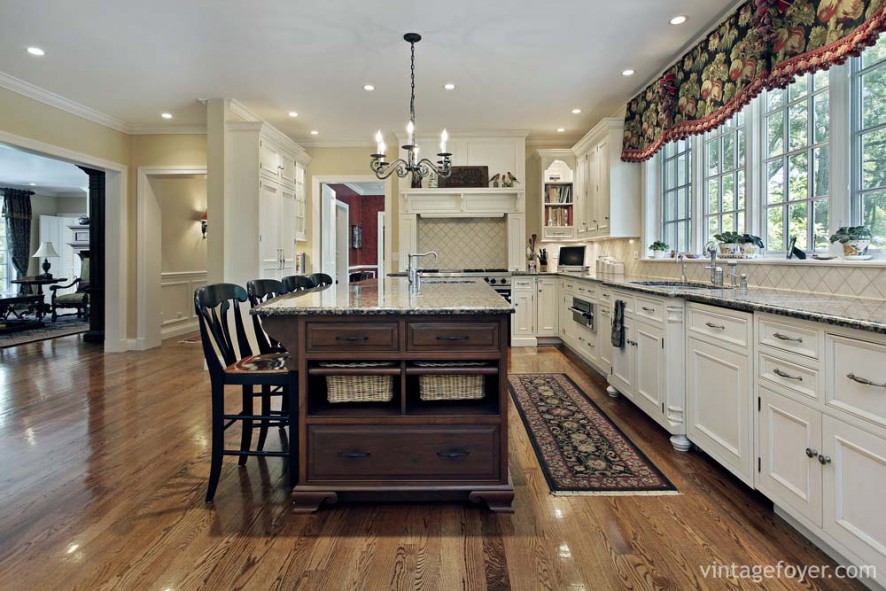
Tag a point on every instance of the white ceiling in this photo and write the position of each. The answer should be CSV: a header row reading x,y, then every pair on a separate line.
x,y
49,177
523,64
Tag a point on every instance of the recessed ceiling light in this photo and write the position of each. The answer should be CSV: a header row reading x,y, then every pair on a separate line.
x,y
368,87
679,20
166,115
449,86
293,114
315,132
36,51
561,129
628,72
576,111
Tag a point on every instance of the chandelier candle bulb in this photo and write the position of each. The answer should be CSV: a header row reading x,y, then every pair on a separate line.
x,y
410,131
443,137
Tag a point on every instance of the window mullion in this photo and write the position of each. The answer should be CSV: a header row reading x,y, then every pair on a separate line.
x,y
842,149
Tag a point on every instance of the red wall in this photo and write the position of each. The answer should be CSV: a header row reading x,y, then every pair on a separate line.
x,y
363,211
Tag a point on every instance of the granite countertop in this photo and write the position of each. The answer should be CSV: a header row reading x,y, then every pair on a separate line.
x,y
860,313
391,296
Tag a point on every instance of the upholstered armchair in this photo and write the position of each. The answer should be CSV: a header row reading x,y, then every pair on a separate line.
x,y
79,300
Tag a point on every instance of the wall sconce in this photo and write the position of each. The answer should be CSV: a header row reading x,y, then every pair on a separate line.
x,y
356,236
204,224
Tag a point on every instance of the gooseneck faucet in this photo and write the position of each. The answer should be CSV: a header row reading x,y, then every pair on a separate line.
x,y
412,271
716,272
681,258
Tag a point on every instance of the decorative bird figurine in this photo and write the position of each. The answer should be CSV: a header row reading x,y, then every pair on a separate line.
x,y
495,181
508,179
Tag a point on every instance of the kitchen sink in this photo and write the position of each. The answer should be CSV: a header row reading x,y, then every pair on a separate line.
x,y
680,285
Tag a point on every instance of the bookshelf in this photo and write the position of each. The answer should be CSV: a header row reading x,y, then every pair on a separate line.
x,y
558,194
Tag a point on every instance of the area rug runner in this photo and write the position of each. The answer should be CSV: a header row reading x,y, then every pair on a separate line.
x,y
580,450
61,328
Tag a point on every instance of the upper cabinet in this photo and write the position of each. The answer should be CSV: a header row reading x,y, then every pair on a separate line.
x,y
607,190
558,176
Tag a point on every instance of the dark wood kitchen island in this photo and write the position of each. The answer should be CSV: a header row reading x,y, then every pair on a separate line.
x,y
402,395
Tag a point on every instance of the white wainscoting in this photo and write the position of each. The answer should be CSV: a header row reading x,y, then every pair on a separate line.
x,y
177,292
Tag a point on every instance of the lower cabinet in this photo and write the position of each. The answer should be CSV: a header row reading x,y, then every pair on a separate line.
x,y
719,402
789,440
649,364
604,336
547,310
523,319
623,362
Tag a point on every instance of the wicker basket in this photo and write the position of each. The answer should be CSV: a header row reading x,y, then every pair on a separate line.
x,y
359,388
450,387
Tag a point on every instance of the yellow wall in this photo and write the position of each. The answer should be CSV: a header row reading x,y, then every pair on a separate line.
x,y
182,203
32,119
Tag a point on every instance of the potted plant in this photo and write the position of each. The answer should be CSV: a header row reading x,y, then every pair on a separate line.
x,y
658,249
751,245
855,240
730,243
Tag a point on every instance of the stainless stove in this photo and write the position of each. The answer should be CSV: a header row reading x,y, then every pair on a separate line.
x,y
498,279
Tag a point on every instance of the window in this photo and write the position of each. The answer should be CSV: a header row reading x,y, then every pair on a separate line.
x,y
796,164
725,178
4,263
676,164
868,75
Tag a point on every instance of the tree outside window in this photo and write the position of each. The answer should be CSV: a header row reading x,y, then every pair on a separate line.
x,y
725,178
796,164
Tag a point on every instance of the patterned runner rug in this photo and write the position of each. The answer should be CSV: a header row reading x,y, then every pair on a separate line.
x,y
64,326
580,450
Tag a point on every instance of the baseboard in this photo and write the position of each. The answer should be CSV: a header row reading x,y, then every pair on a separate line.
x,y
824,546
524,342
179,330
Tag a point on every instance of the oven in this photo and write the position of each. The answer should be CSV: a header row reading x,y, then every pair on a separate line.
x,y
583,314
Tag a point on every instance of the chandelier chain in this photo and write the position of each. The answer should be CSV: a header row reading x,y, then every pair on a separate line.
x,y
412,87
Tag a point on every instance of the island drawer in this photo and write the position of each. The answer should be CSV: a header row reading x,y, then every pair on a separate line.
x,y
452,336
351,336
404,452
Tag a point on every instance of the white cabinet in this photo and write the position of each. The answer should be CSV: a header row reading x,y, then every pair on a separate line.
x,y
557,171
623,362
649,364
267,175
853,465
523,296
608,189
789,440
604,333
547,311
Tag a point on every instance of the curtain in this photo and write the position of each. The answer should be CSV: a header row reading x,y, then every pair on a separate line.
x,y
17,214
763,44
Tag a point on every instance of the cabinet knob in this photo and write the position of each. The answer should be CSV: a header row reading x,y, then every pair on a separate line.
x,y
824,460
811,453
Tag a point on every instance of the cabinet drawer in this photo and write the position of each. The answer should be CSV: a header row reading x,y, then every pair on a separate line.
x,y
462,336
605,298
720,325
523,283
651,309
789,337
799,379
585,290
627,299
351,336
558,232
414,452
856,377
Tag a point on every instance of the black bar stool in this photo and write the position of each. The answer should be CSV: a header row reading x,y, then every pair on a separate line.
x,y
297,283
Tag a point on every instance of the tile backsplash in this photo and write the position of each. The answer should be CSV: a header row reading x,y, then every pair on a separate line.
x,y
857,281
464,243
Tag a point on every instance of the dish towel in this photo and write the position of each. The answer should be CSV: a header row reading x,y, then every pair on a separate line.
x,y
618,324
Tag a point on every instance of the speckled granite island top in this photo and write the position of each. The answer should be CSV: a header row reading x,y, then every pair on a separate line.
x,y
391,296
859,313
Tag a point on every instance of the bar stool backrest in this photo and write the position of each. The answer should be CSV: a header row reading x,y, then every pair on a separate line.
x,y
297,283
219,309
259,291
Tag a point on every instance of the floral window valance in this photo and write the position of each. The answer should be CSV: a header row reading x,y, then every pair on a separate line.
x,y
763,44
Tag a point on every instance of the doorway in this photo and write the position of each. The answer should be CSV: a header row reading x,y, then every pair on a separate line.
x,y
171,210
362,236
342,218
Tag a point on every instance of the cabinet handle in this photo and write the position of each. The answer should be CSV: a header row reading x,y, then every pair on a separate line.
x,y
648,309
712,325
786,375
352,338
461,338
864,381
784,337
824,460
454,454
631,343
811,453
353,455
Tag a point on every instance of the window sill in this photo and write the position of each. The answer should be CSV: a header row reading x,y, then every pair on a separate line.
x,y
877,262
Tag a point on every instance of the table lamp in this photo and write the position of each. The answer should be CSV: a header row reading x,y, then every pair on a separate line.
x,y
45,251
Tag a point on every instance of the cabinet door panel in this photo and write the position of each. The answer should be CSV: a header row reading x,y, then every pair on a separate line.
x,y
650,369
269,229
523,318
623,360
719,403
604,336
288,222
547,312
788,476
854,481
601,207
269,160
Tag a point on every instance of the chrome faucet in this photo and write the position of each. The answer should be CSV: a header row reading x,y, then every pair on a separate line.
x,y
716,272
412,272
681,258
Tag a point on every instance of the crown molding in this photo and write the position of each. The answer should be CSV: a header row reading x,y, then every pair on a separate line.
x,y
242,111
139,129
361,143
59,102
559,140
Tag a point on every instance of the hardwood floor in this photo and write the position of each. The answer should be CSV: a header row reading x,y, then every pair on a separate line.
x,y
104,466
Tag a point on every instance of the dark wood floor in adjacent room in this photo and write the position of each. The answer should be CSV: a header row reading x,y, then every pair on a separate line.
x,y
104,466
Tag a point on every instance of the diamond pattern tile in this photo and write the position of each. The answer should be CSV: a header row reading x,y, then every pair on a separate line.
x,y
464,244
